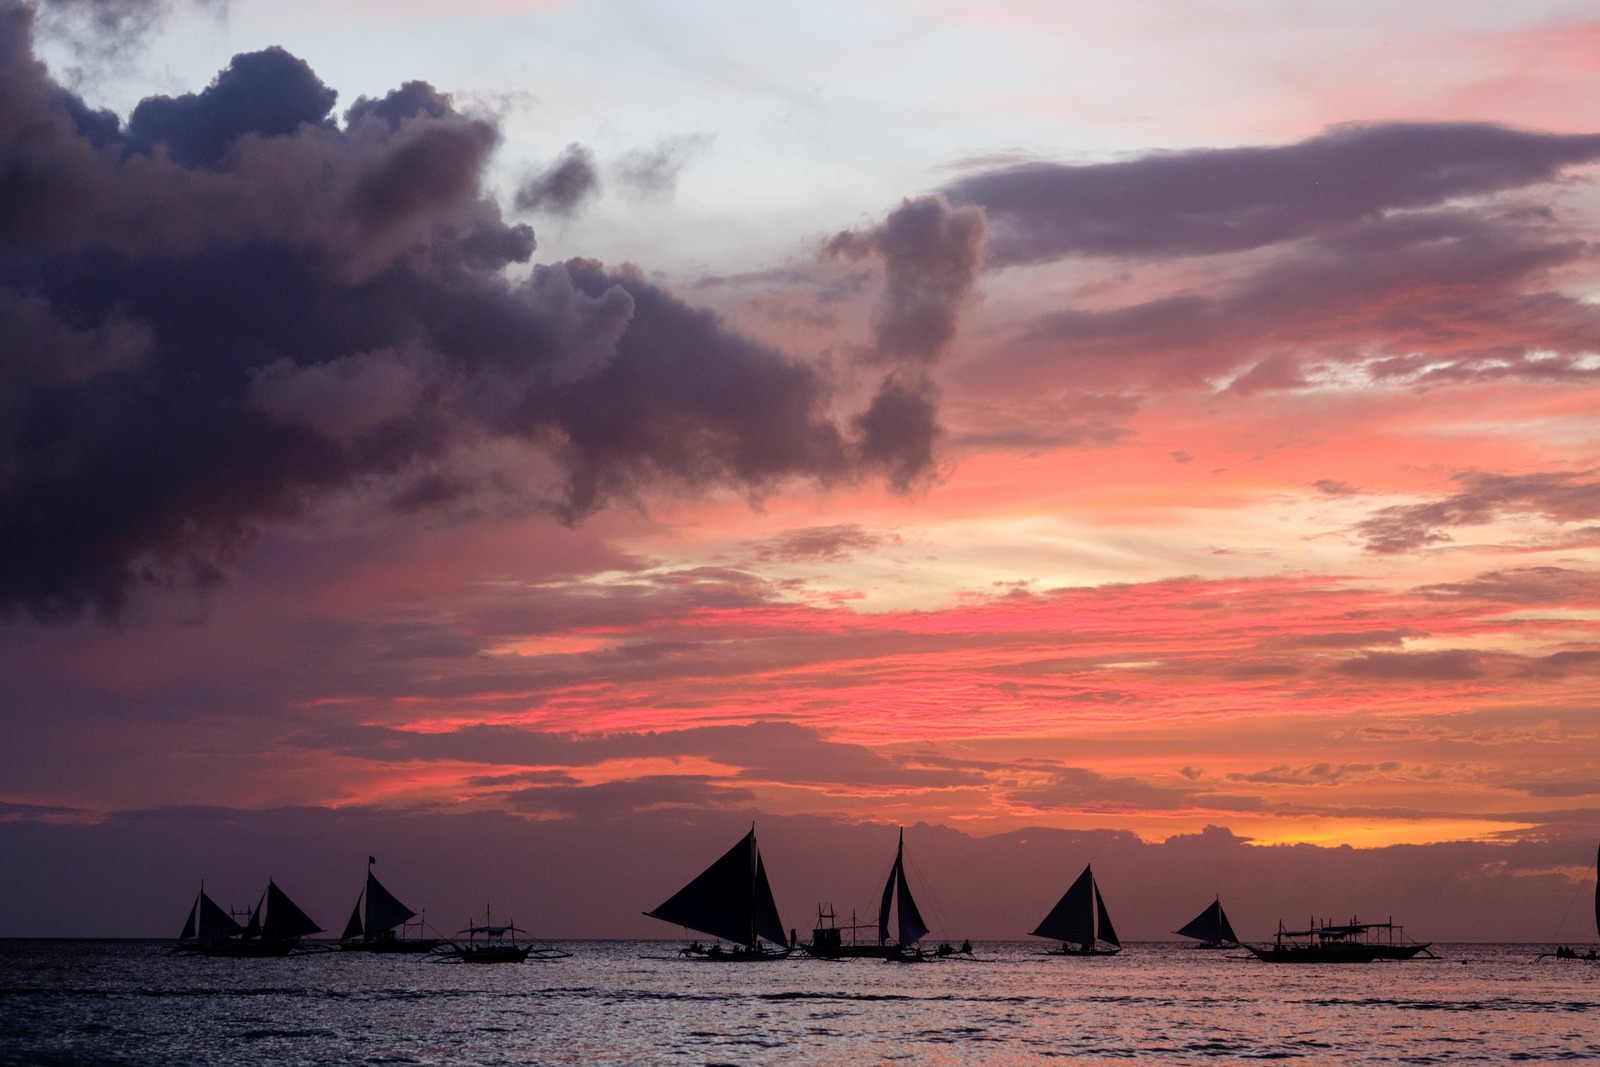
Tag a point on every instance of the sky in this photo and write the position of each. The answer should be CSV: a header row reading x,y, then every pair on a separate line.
x,y
530,441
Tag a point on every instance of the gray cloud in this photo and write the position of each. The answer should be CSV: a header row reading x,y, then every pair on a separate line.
x,y
1558,497
931,254
235,308
654,172
563,187
774,751
1231,199
1453,664
821,544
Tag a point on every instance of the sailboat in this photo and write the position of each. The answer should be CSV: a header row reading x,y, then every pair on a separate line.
x,y
377,932
898,906
207,924
1080,921
275,928
1211,928
489,944
732,900
1567,952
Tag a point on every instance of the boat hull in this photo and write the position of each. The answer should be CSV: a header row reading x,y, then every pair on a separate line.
x,y
1314,953
491,954
253,949
420,944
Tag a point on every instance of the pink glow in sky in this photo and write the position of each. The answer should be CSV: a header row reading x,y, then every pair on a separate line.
x,y
1167,429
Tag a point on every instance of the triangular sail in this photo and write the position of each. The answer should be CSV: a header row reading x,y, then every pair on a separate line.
x,y
1597,893
384,910
897,891
214,924
730,899
1210,926
1103,920
1072,919
284,919
765,921
352,929
189,927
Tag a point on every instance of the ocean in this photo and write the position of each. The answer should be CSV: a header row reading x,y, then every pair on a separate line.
x,y
128,1002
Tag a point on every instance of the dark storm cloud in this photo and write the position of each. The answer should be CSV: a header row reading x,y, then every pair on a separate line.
x,y
1227,200
235,307
268,93
563,187
1484,498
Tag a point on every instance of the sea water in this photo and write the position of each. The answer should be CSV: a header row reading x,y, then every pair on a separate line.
x,y
128,1002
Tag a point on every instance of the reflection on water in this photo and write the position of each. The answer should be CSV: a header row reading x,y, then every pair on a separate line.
x,y
127,1002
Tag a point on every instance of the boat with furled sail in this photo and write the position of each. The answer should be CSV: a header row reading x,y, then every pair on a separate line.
x,y
384,924
490,943
730,900
897,908
1351,942
275,928
1211,928
1080,921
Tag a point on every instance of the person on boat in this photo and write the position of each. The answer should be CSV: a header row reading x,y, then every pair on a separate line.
x,y
966,947
794,939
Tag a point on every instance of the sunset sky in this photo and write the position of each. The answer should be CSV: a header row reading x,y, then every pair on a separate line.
x,y
530,440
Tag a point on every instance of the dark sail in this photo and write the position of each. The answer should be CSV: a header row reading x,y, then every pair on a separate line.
x,y
352,929
1072,919
897,891
384,911
1597,893
766,922
207,922
731,899
1103,920
214,923
1210,926
284,920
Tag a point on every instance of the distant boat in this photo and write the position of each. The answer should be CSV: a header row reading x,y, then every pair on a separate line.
x,y
897,908
1351,942
732,900
1567,952
275,928
384,923
1211,928
489,943
1080,921
207,924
